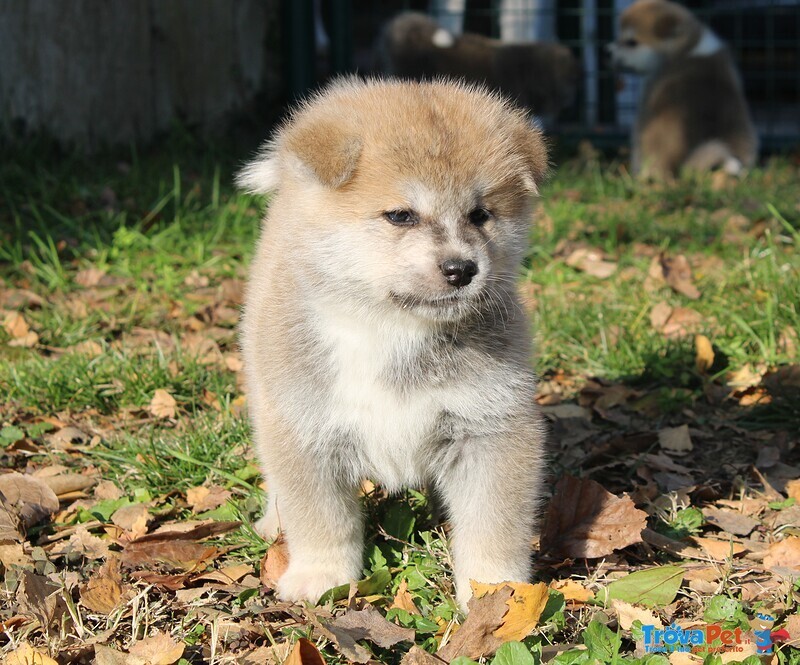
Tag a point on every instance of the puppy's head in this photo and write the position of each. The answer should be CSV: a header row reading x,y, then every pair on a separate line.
x,y
412,196
652,32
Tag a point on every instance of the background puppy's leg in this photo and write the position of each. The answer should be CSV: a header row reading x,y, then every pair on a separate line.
x,y
321,517
491,487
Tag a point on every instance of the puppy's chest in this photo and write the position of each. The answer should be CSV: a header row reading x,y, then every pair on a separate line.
x,y
386,391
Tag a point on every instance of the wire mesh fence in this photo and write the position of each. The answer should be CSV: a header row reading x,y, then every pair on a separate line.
x,y
326,37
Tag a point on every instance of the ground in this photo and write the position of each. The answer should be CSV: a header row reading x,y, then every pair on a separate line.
x,y
665,320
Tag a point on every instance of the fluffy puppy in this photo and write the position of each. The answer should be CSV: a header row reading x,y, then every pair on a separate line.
x,y
541,76
692,112
382,336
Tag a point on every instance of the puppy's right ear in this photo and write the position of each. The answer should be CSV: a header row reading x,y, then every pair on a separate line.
x,y
328,147
324,149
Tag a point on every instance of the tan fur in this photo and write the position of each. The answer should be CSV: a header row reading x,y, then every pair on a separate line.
x,y
361,360
692,112
541,76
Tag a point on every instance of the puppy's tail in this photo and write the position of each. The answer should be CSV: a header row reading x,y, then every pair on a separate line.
x,y
714,154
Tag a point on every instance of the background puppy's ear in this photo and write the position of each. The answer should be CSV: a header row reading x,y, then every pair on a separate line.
x,y
328,147
666,26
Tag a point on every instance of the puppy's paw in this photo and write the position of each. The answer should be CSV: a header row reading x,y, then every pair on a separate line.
x,y
268,526
301,583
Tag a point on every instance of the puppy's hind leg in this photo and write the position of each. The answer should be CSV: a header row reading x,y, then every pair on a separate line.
x,y
491,488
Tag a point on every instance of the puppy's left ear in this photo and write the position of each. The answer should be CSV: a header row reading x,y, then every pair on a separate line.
x,y
533,150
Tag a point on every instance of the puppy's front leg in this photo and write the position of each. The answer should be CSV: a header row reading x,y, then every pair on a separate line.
x,y
490,488
321,517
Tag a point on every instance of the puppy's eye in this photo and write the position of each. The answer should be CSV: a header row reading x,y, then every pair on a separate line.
x,y
401,217
630,43
479,216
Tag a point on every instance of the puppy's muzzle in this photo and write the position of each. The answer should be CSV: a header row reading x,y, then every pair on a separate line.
x,y
459,272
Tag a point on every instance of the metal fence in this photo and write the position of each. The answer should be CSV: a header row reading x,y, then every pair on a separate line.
x,y
325,37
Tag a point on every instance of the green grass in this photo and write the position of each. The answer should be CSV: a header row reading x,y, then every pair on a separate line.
x,y
162,224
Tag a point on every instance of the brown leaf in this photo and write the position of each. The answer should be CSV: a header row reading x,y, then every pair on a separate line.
x,y
103,592
182,555
81,542
275,562
28,497
720,550
13,554
793,489
403,600
105,489
784,554
65,483
675,439
475,637
524,608
591,261
163,405
678,274
104,655
189,531
627,614
675,322
585,521
132,518
417,656
304,653
89,277
572,591
19,330
160,649
38,597
27,655
703,353
207,498
730,520
366,624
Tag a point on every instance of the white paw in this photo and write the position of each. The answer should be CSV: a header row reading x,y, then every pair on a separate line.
x,y
268,526
301,583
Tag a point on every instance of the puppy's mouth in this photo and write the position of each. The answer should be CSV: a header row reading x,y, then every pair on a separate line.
x,y
407,300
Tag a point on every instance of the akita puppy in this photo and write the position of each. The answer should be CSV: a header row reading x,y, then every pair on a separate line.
x,y
382,335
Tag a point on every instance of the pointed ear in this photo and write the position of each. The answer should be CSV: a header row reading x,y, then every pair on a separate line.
x,y
666,26
533,150
328,147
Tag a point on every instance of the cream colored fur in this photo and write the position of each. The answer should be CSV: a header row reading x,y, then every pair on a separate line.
x,y
361,360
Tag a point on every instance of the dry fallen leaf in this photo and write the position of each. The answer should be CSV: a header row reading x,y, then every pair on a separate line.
x,y
204,498
730,520
83,543
160,649
133,519
675,322
180,555
475,637
627,614
784,554
793,489
27,655
89,277
586,521
275,562
163,405
591,261
103,591
366,624
304,653
703,353
675,439
572,591
417,656
524,607
28,497
19,330
678,274
720,550
39,597
403,600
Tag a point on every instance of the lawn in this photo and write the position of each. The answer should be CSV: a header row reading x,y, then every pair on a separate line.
x,y
666,321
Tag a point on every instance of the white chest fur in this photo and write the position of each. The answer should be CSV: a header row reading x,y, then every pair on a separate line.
x,y
392,426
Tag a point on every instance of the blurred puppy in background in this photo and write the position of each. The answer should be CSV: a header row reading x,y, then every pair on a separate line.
x,y
541,76
692,112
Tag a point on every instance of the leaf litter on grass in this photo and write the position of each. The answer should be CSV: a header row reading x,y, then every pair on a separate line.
x,y
131,492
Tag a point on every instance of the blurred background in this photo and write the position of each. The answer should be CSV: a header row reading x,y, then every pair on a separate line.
x,y
93,73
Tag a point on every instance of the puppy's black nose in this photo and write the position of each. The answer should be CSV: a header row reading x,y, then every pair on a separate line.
x,y
459,272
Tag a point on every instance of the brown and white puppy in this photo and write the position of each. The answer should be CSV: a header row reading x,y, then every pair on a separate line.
x,y
692,112
541,76
382,335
